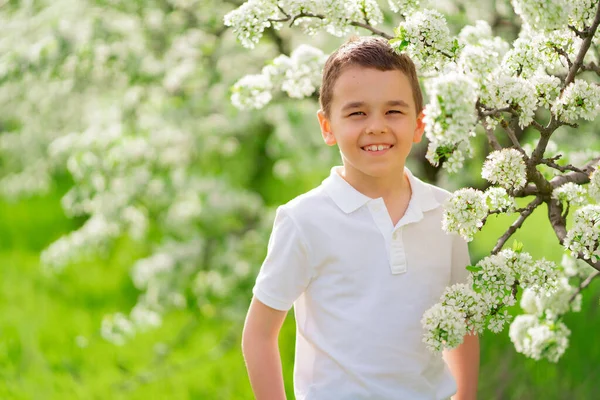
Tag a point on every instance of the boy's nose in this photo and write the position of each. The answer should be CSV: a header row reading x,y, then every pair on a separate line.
x,y
376,127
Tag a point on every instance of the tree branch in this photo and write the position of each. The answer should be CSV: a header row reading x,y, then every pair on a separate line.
x,y
363,25
585,284
513,137
372,29
492,140
592,66
517,224
557,219
576,177
551,163
589,35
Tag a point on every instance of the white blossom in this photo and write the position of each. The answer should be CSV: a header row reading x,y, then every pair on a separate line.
x,y
252,91
547,88
464,212
505,168
572,193
117,328
538,338
574,267
533,51
303,76
426,38
583,237
450,116
579,100
495,275
251,19
144,318
502,91
543,15
404,7
477,62
92,236
444,326
594,186
498,199
582,13
551,304
497,321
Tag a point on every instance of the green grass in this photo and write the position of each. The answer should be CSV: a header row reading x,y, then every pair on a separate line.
x,y
50,347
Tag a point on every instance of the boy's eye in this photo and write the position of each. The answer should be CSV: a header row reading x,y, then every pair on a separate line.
x,y
357,113
395,112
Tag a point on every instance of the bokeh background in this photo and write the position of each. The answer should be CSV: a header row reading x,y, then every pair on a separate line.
x,y
136,202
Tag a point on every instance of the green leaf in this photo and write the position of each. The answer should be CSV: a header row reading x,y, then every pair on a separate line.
x,y
517,246
473,268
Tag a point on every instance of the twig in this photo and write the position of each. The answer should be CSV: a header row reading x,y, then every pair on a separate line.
x,y
492,140
584,284
550,162
487,112
557,219
513,138
564,54
576,177
589,35
372,29
579,33
293,19
592,66
517,224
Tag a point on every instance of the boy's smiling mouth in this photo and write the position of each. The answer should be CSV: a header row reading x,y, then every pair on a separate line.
x,y
375,148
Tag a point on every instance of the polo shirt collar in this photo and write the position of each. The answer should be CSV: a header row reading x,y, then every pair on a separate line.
x,y
348,199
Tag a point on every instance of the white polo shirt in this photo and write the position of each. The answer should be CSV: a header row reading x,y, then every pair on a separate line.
x,y
360,286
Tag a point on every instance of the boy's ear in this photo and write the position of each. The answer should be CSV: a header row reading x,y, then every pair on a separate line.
x,y
419,129
326,129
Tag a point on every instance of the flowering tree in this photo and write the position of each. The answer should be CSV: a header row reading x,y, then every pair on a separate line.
x,y
122,102
477,83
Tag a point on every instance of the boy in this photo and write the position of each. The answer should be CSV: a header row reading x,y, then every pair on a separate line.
x,y
362,256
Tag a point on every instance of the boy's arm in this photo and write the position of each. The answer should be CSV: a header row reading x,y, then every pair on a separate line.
x,y
463,362
261,350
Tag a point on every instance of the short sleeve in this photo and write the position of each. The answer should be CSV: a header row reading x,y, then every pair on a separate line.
x,y
460,260
286,271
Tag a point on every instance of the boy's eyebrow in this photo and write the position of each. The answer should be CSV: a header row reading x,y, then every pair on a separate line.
x,y
392,103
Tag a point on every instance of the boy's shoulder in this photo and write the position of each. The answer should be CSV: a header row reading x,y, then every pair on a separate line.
x,y
302,205
439,194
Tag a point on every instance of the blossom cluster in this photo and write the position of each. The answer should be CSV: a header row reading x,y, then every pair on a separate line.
x,y
498,199
548,15
478,305
298,75
450,116
426,38
464,212
594,186
570,192
584,235
580,99
506,168
502,91
336,17
539,338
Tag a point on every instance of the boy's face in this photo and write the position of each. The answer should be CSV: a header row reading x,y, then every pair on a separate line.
x,y
372,108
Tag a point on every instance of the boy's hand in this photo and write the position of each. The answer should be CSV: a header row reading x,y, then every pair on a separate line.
x,y
261,350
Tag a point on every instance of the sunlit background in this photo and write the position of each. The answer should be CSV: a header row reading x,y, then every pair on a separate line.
x,y
136,203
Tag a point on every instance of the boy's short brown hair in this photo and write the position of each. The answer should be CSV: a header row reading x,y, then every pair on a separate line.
x,y
368,52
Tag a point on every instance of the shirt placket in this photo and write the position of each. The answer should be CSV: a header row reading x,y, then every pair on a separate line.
x,y
392,236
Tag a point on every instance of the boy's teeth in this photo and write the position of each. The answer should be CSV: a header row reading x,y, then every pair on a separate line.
x,y
375,147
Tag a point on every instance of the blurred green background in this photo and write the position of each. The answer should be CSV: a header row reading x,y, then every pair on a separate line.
x,y
160,72
50,347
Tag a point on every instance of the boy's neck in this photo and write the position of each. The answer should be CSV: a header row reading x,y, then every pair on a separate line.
x,y
386,187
